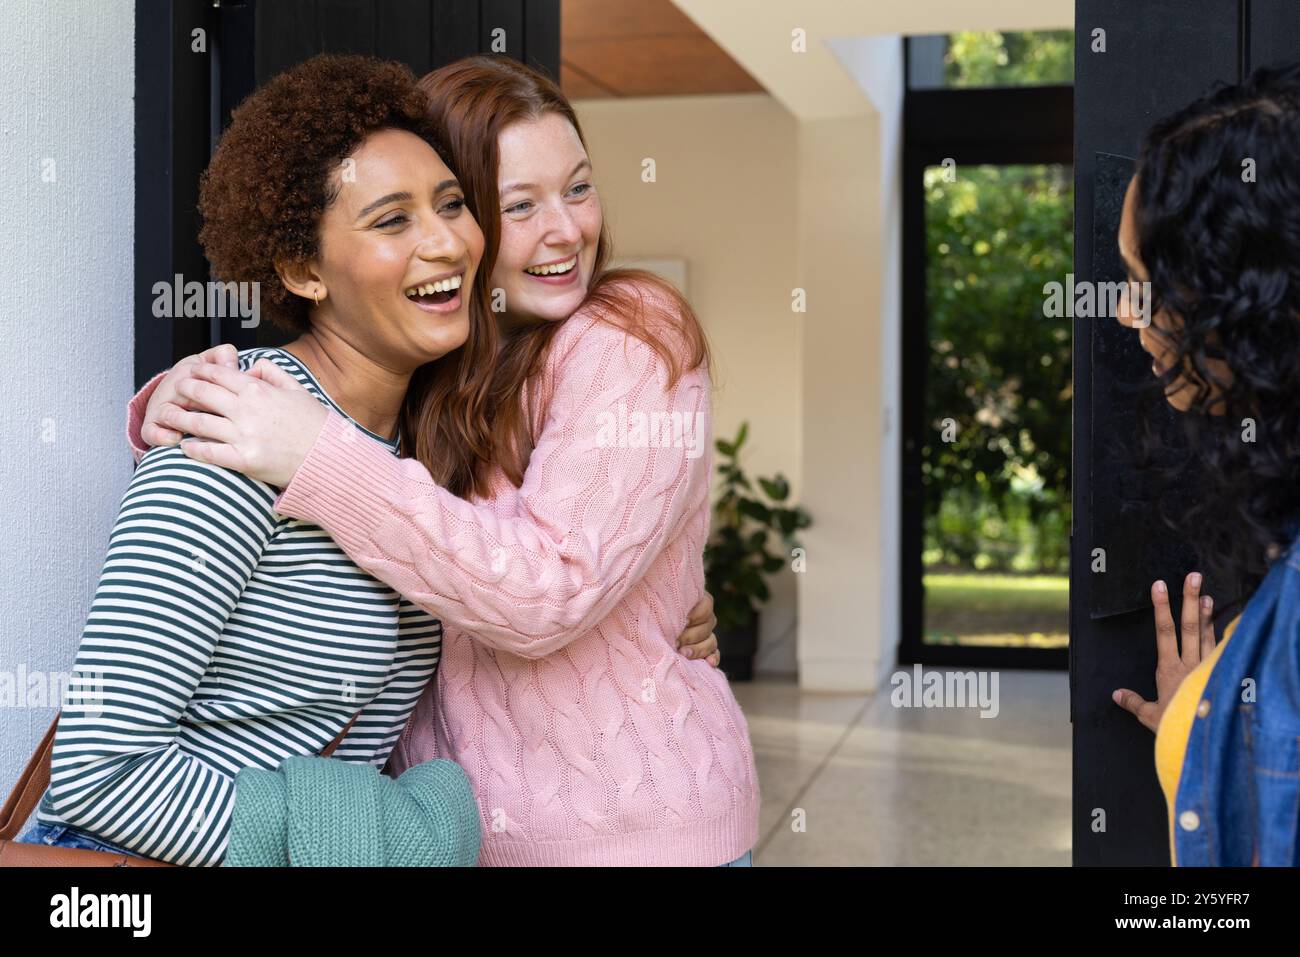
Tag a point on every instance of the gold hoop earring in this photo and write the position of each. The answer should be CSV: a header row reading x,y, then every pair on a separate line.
x,y
315,294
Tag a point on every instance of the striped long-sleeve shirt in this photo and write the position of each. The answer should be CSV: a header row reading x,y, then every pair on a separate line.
x,y
223,635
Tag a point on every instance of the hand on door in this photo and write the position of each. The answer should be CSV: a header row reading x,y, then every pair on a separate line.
x,y
1171,665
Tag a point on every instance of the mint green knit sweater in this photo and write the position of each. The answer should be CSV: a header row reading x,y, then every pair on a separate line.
x,y
322,812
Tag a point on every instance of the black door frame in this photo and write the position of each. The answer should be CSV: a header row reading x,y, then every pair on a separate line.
x,y
172,146
1002,126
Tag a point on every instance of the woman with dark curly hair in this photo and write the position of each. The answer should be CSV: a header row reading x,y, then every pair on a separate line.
x,y
566,550
224,635
1211,221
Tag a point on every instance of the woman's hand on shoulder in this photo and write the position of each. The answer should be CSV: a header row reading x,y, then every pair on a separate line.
x,y
166,399
262,422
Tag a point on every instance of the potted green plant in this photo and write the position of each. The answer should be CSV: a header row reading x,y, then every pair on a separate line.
x,y
737,560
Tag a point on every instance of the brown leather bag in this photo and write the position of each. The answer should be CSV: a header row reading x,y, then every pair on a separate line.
x,y
27,793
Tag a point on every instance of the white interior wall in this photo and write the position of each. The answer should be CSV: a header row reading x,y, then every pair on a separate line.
x,y
66,334
725,199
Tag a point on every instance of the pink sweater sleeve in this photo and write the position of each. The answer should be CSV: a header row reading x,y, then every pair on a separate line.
x,y
603,493
135,410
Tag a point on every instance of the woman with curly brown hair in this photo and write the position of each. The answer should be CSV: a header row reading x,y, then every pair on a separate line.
x,y
565,550
224,635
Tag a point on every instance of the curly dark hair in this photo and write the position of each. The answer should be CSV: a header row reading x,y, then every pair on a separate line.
x,y
262,195
1223,255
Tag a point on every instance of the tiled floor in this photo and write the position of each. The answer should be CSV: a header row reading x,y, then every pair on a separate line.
x,y
879,785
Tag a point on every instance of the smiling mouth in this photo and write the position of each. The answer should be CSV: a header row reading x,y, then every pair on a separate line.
x,y
553,269
436,293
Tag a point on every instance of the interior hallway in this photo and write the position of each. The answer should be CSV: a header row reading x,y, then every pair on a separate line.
x,y
896,786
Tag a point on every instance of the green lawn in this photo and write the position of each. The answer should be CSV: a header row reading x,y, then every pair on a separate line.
x,y
974,608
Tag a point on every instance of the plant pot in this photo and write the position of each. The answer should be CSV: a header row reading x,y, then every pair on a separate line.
x,y
738,646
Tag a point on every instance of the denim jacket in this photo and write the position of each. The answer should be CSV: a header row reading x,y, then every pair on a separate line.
x,y
1238,798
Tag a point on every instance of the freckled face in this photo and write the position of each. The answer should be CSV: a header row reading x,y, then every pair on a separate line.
x,y
1156,337
550,219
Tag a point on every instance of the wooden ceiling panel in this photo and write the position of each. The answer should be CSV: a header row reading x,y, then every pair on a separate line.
x,y
641,48
596,19
577,85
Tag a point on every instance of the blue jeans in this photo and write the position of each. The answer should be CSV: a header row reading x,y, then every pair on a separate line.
x,y
745,860
60,835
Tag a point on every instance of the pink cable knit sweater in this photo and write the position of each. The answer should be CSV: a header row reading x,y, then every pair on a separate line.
x,y
588,738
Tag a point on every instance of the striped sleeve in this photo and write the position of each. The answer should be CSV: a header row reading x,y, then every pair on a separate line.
x,y
186,540
382,720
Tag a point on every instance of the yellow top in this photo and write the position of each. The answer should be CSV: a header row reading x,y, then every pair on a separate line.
x,y
1176,726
